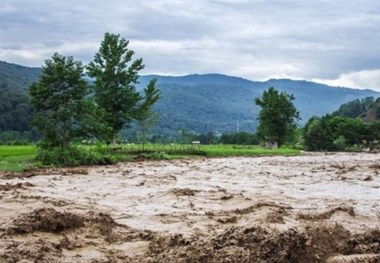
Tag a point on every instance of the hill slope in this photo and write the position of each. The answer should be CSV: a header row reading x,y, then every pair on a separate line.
x,y
15,111
16,76
367,109
373,114
214,102
199,103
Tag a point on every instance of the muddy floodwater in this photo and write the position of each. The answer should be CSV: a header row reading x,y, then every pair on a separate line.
x,y
316,207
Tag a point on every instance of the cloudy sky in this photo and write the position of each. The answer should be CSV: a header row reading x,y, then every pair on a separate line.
x,y
330,41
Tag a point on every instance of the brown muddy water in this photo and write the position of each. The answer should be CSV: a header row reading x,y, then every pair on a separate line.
x,y
310,208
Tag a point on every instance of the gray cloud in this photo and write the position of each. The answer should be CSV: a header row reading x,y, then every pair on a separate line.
x,y
329,41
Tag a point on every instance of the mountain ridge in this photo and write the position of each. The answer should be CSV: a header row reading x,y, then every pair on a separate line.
x,y
237,103
212,102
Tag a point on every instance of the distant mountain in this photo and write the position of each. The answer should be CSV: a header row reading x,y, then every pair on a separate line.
x,y
214,102
198,103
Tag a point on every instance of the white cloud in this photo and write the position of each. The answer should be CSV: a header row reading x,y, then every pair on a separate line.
x,y
364,79
23,56
257,39
6,9
36,55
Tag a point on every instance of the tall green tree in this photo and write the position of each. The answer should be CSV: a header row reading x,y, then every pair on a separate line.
x,y
277,116
58,100
327,132
115,75
147,118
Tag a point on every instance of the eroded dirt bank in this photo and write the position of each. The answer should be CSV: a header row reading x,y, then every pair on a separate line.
x,y
310,208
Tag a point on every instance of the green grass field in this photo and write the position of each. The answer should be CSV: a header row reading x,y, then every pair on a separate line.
x,y
210,150
19,158
16,158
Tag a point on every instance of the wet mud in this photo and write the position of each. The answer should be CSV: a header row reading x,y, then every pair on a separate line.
x,y
310,208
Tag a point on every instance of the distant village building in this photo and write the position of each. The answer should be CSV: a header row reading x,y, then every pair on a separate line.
x,y
270,143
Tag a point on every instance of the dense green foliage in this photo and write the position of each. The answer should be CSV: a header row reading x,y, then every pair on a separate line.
x,y
277,116
367,109
146,117
73,156
355,108
65,110
373,113
15,110
61,112
58,99
115,77
337,133
354,126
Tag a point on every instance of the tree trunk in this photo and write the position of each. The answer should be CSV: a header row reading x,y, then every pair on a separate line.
x,y
143,140
113,137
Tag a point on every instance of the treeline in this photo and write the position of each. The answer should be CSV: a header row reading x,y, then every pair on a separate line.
x,y
186,137
338,133
354,126
18,138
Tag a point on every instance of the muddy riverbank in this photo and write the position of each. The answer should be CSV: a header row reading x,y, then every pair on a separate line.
x,y
311,208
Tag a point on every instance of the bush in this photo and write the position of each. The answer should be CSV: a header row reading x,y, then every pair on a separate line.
x,y
354,148
340,143
158,156
73,156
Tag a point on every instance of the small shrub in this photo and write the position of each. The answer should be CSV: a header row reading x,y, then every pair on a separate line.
x,y
158,156
354,148
72,156
340,143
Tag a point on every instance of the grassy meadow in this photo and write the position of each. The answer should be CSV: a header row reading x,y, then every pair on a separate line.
x,y
19,158
207,150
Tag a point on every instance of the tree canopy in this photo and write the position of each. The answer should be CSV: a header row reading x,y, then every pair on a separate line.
x,y
58,100
115,75
277,115
146,117
337,133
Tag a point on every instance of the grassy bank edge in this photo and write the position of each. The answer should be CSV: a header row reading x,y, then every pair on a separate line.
x,y
22,157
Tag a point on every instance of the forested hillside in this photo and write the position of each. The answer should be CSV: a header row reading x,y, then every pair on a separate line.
x,y
373,114
16,76
214,102
197,103
15,111
367,109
